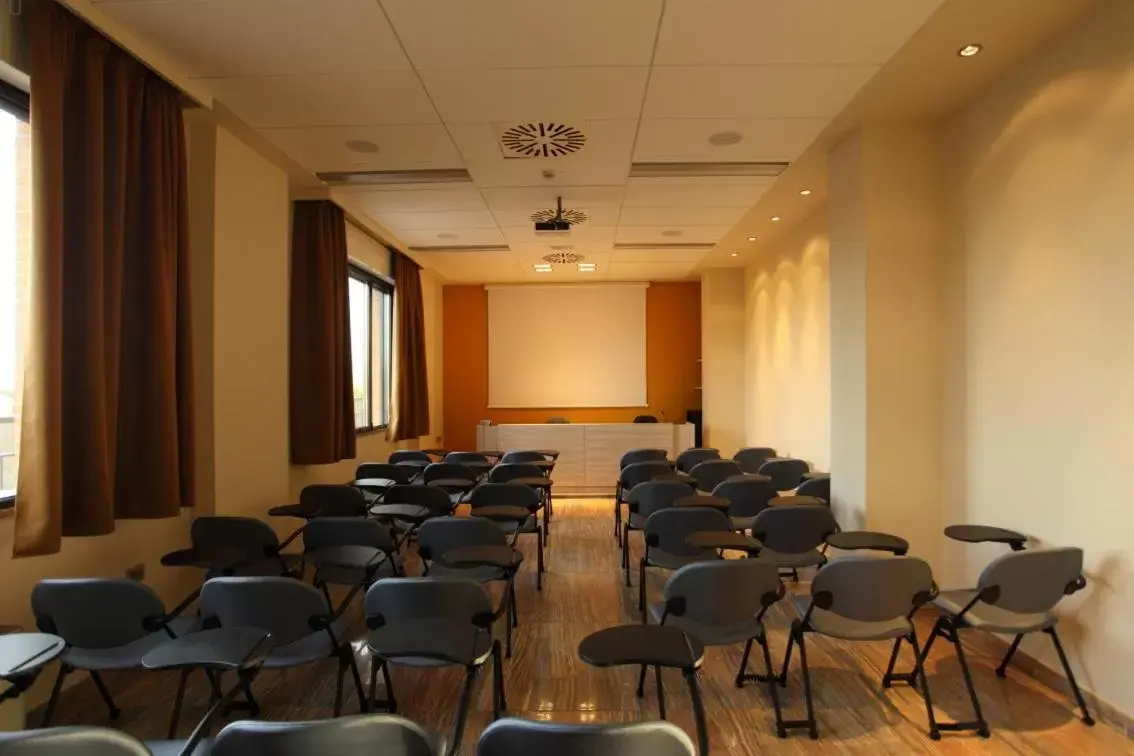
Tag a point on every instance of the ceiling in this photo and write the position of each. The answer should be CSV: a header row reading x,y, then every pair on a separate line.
x,y
435,84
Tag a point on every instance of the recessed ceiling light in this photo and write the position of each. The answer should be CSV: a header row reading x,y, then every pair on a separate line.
x,y
586,267
734,254
725,138
446,236
751,238
969,51
362,145
776,219
671,232
805,192
542,268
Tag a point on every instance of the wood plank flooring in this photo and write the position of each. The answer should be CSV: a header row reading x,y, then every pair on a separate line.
x,y
583,592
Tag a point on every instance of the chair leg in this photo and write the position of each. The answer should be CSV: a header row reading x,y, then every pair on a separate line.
x,y
641,690
618,512
981,725
390,703
626,552
642,589
698,712
178,699
499,699
463,711
661,692
740,676
539,558
919,672
55,691
888,678
363,703
339,682
1003,668
787,659
812,730
781,731
1087,718
105,693
937,631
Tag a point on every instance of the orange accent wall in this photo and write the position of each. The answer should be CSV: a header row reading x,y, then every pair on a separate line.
x,y
673,346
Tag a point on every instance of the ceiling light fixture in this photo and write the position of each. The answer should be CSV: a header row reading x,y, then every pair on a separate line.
x,y
446,236
751,238
725,138
805,192
672,232
542,268
776,219
586,267
362,145
734,254
970,50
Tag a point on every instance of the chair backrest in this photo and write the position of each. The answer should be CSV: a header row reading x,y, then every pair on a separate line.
x,y
435,499
523,455
333,501
409,455
442,534
506,471
656,495
751,457
820,488
449,471
282,606
384,471
690,458
467,458
71,741
95,612
244,533
794,530
723,593
1031,582
668,529
645,419
869,589
558,420
636,473
521,737
414,598
504,495
748,495
712,472
327,532
642,455
786,474
362,735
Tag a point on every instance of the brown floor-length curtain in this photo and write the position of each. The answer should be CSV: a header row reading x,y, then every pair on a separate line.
x,y
321,384
411,380
107,423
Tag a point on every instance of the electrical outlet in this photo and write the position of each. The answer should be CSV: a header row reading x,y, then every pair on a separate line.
x,y
137,572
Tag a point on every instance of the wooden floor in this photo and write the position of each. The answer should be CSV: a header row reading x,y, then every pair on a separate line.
x,y
545,680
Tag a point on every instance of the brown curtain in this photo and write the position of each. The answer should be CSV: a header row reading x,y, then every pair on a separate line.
x,y
107,423
322,391
411,384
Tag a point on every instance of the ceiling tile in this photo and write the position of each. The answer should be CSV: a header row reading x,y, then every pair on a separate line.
x,y
762,139
475,267
659,256
500,33
354,99
663,234
253,37
674,217
400,147
524,198
754,91
472,237
686,193
526,94
439,199
452,219
584,234
652,271
598,216
758,32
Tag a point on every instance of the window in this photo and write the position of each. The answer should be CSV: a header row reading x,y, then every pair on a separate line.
x,y
371,330
15,256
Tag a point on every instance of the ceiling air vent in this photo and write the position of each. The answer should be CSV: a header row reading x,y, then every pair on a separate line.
x,y
574,217
563,256
541,140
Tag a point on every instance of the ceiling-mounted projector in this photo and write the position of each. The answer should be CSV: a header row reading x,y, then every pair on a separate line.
x,y
555,226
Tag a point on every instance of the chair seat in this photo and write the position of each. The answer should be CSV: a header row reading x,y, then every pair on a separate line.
x,y
130,655
838,626
992,618
307,649
711,635
810,558
481,574
431,643
667,561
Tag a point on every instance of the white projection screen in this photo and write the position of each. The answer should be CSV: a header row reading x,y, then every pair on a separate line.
x,y
567,346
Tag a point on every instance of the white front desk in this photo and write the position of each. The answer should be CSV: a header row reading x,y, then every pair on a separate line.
x,y
588,452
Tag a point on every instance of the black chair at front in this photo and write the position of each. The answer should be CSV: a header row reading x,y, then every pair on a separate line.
x,y
522,737
752,457
358,735
667,546
748,496
690,458
491,495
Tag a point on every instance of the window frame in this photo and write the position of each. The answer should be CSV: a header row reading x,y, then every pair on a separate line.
x,y
374,283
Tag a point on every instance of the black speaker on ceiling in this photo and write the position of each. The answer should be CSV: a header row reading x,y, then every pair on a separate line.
x,y
694,417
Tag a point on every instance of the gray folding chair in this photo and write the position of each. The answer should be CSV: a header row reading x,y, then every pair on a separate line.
x,y
261,547
752,457
667,546
454,477
380,476
411,457
330,532
690,458
523,455
71,741
359,735
430,502
862,598
107,623
522,737
326,500
1015,595
786,474
634,470
644,499
794,537
304,628
434,622
489,496
713,472
748,496
506,472
820,488
722,603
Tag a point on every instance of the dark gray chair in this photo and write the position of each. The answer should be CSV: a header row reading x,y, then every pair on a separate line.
x,y
523,455
636,467
359,735
304,628
382,475
643,500
108,624
325,500
786,474
794,537
474,460
752,457
748,496
434,622
505,472
71,741
522,737
642,455
690,458
491,495
820,488
430,502
667,546
454,477
1015,595
712,472
260,546
645,419
558,420
330,532
862,598
411,457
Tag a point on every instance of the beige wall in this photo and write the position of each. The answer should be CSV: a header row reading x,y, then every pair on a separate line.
x,y
787,345
722,359
1043,186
